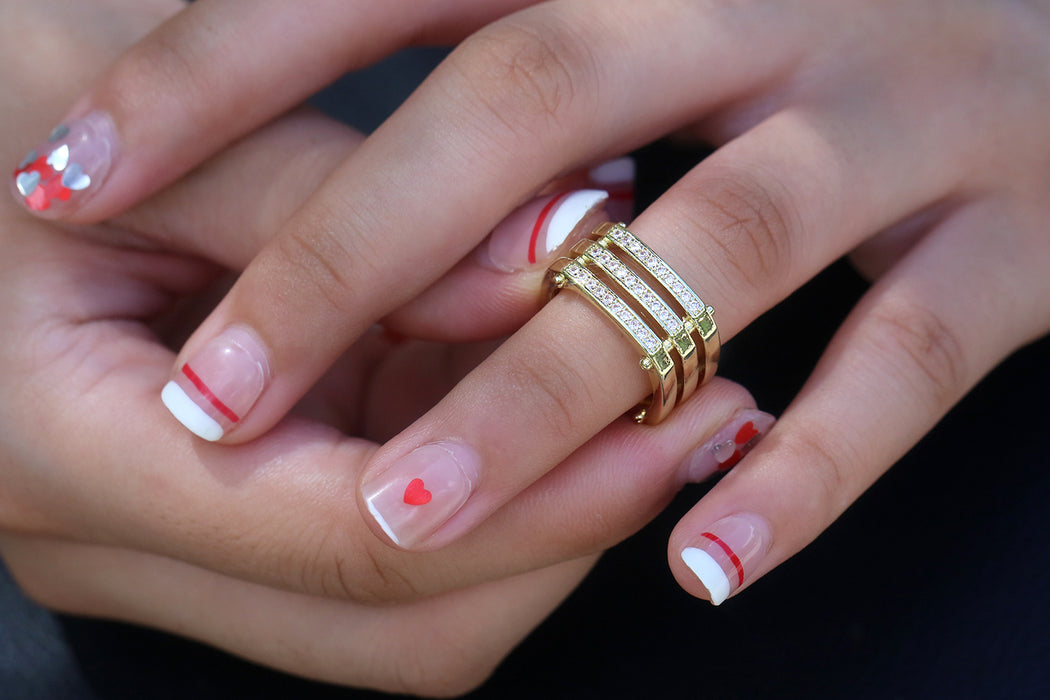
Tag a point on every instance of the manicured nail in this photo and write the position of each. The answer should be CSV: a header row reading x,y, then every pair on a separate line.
x,y
729,445
534,233
617,178
727,553
64,171
419,492
212,392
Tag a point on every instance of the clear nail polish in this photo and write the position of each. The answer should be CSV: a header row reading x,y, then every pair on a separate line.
x,y
616,177
211,393
728,446
726,554
535,233
60,174
419,492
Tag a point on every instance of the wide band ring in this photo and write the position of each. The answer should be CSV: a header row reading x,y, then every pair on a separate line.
x,y
651,305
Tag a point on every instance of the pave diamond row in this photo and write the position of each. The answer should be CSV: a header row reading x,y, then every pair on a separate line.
x,y
627,318
641,291
658,269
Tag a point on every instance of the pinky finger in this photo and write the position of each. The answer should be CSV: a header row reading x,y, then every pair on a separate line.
x,y
947,313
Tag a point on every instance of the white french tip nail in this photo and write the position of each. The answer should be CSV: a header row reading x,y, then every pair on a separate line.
x,y
613,171
709,572
382,522
570,213
190,414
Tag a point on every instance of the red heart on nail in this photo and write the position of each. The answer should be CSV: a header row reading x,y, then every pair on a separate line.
x,y
745,434
416,495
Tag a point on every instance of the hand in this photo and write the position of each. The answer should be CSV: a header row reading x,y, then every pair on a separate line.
x,y
110,509
913,130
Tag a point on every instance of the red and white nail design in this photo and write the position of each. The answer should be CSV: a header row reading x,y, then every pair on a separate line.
x,y
61,173
729,445
617,178
419,492
212,392
536,232
727,553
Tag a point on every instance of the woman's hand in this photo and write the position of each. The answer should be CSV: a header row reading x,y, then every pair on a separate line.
x,y
912,130
109,508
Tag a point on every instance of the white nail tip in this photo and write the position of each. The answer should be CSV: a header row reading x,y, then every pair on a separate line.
x,y
613,171
570,213
709,572
382,522
190,414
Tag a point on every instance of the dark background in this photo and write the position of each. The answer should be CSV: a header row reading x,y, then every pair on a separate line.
x,y
934,585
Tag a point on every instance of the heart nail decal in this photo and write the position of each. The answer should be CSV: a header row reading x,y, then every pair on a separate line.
x,y
59,158
74,178
58,133
27,160
746,433
27,182
416,494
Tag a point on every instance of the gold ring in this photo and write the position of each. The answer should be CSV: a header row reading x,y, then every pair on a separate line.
x,y
620,275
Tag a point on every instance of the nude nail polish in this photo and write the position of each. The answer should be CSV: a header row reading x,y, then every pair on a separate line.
x,y
419,492
211,393
727,553
63,172
729,445
538,231
617,178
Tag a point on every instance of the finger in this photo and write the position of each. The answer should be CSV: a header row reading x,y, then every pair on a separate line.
x,y
280,510
164,107
746,226
911,349
442,646
409,204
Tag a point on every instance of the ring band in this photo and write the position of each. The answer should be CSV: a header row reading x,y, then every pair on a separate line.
x,y
610,270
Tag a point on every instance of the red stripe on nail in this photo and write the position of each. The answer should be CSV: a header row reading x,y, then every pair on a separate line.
x,y
206,393
729,553
539,225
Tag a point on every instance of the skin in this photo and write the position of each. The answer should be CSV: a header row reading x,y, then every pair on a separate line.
x,y
910,133
258,548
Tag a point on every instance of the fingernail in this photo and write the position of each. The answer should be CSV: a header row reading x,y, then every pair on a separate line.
x,y
60,174
213,391
419,492
727,553
728,446
617,178
534,233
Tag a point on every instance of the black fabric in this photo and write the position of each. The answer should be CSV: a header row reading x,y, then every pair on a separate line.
x,y
934,585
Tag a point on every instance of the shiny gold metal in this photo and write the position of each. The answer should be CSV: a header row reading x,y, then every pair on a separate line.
x,y
651,305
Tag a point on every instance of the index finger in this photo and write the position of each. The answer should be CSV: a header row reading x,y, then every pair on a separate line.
x,y
211,74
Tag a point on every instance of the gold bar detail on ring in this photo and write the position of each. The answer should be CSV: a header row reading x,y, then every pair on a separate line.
x,y
655,306
656,360
631,323
655,265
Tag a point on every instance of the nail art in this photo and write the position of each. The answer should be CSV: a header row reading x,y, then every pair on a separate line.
x,y
729,445
537,231
212,392
727,553
419,492
617,178
71,165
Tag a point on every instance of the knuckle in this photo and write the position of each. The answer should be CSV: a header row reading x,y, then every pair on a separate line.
x,y
321,265
831,472
525,74
161,70
441,666
750,222
931,348
541,384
